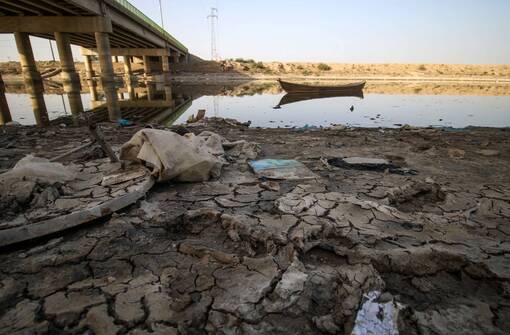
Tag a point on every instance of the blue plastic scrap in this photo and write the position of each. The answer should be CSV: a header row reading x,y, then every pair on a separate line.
x,y
281,169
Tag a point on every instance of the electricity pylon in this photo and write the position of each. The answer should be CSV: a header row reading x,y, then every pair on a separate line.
x,y
213,17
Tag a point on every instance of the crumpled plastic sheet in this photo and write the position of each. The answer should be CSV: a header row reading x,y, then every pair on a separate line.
x,y
375,318
187,158
38,168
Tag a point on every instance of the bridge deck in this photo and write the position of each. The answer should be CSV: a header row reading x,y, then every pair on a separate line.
x,y
131,28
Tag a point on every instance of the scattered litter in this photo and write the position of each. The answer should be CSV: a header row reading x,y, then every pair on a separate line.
x,y
337,126
200,116
281,169
124,123
377,318
307,127
369,164
123,176
187,158
172,156
37,168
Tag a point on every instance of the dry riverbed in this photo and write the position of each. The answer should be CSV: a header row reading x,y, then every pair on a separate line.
x,y
240,255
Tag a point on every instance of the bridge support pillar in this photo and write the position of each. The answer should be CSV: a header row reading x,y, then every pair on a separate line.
x,y
128,72
147,68
165,65
175,57
107,76
71,79
168,93
5,114
90,74
32,78
131,90
151,91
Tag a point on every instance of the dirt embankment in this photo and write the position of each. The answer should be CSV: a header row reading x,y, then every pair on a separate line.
x,y
250,69
335,70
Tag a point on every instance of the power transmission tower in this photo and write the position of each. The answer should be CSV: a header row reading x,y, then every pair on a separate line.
x,y
161,13
214,21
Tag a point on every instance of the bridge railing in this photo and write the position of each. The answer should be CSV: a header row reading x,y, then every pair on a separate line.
x,y
127,5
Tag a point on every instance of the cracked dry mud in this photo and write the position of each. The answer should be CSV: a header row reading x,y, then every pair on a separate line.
x,y
243,256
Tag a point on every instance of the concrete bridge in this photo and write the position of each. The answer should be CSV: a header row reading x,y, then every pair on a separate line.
x,y
103,28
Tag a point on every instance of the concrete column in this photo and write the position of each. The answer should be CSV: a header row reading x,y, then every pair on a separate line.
x,y
89,69
107,75
151,91
70,78
131,90
175,57
32,78
90,74
5,114
165,66
147,69
168,93
128,72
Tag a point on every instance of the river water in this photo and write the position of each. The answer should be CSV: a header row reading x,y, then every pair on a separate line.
x,y
455,106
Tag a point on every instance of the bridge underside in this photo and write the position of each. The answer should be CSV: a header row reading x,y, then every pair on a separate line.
x,y
121,37
100,27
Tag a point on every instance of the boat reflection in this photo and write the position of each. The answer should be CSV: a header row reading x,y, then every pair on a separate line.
x,y
290,98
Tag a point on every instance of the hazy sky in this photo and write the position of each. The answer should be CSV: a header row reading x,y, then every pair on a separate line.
x,y
363,31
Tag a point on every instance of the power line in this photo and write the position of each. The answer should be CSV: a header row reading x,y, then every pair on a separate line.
x,y
213,17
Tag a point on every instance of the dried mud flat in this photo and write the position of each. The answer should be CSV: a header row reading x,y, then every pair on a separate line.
x,y
243,256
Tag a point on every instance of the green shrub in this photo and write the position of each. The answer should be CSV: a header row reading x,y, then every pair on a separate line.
x,y
306,73
259,65
324,67
242,60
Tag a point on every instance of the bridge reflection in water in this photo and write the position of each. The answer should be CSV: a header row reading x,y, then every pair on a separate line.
x,y
144,102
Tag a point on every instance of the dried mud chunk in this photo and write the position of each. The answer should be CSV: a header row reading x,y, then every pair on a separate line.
x,y
288,289
66,308
22,320
51,279
461,319
415,196
100,322
239,289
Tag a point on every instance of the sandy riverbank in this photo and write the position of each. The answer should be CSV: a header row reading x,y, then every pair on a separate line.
x,y
225,71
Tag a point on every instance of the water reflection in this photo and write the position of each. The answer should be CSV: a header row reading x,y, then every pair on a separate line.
x,y
290,98
384,104
143,102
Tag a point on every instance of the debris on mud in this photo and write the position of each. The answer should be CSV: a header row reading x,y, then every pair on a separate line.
x,y
281,169
369,164
237,254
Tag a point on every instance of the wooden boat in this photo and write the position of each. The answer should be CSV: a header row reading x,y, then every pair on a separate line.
x,y
290,98
307,88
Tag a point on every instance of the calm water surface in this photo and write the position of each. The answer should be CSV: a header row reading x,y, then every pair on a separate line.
x,y
374,110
